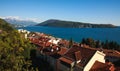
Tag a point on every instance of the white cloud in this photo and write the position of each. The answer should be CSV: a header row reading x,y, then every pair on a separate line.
x,y
11,17
33,19
19,18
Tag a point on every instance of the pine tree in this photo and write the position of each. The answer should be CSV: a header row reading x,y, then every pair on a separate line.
x,y
70,42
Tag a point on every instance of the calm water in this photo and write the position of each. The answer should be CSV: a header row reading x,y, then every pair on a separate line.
x,y
102,34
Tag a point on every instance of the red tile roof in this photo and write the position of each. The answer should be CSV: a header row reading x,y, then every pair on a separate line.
x,y
54,47
65,43
78,55
62,51
47,44
98,66
66,60
112,53
108,52
85,55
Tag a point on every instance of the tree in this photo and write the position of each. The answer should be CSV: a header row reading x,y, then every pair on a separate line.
x,y
98,44
83,41
14,50
90,42
70,42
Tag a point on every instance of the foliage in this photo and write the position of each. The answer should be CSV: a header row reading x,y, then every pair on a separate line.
x,y
14,50
70,42
5,26
97,44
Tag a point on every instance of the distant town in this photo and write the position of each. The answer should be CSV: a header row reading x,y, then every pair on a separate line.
x,y
64,55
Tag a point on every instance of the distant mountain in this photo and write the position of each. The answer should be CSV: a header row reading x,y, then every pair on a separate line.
x,y
71,24
20,23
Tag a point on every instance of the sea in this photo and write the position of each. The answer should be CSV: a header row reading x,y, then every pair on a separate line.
x,y
77,34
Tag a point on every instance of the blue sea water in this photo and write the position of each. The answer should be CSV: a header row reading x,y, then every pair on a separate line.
x,y
77,34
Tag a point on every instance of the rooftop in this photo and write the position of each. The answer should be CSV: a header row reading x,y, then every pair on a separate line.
x,y
102,67
79,53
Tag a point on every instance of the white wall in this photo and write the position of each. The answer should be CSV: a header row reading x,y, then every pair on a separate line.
x,y
99,56
54,41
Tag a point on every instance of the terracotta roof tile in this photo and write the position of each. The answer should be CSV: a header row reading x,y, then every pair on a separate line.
x,y
78,55
47,44
66,60
62,51
113,53
85,55
54,47
108,52
98,66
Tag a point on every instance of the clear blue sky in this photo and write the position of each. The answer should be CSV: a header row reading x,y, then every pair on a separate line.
x,y
93,11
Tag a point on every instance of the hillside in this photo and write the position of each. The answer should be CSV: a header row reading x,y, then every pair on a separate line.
x,y
71,24
5,26
14,50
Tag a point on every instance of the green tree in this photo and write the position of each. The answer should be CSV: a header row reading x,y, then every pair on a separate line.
x,y
70,43
14,50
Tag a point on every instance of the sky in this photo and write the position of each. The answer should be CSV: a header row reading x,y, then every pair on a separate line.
x,y
89,11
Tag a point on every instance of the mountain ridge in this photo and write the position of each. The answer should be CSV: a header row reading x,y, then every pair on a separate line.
x,y
19,23
72,24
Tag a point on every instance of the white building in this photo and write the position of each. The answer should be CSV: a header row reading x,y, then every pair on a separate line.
x,y
25,32
54,41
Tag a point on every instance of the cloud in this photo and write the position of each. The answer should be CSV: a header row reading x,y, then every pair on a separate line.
x,y
22,19
34,19
11,17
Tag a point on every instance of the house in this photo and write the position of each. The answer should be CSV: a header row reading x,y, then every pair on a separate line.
x,y
76,58
111,55
54,41
25,32
80,59
51,54
63,43
46,50
98,66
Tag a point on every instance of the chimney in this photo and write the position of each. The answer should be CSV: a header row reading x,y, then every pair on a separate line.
x,y
78,56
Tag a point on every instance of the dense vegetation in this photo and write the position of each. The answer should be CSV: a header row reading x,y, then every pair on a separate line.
x,y
97,44
14,49
71,24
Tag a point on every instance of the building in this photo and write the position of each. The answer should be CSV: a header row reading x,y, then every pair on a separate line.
x,y
98,66
80,59
111,55
24,32
76,58
54,41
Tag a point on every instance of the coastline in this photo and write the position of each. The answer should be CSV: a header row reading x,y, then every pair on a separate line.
x,y
77,34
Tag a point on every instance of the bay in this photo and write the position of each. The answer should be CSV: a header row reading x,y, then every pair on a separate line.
x,y
77,34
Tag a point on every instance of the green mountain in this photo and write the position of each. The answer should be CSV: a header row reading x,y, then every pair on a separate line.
x,y
71,24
